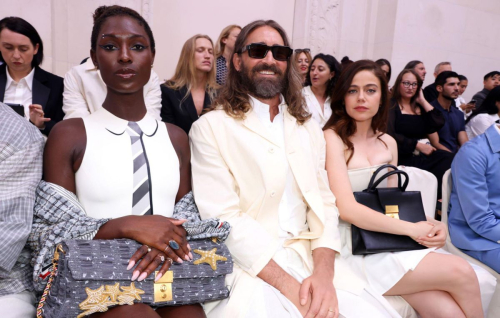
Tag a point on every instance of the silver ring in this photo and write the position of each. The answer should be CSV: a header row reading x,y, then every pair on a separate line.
x,y
162,258
166,249
173,244
149,249
170,260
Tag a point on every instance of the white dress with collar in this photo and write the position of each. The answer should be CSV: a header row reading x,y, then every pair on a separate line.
x,y
104,181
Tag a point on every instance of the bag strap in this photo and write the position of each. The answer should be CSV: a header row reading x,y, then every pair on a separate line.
x,y
388,174
374,175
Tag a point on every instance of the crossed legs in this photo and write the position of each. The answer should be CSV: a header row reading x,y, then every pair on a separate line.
x,y
441,286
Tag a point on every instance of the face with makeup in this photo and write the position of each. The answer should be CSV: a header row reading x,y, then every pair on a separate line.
x,y
17,50
362,100
123,55
320,73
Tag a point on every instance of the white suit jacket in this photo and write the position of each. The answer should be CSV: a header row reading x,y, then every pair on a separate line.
x,y
85,91
238,177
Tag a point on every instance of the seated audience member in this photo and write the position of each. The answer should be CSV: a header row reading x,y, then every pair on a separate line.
x,y
224,50
418,67
460,102
491,80
259,149
412,118
323,74
430,92
303,59
385,65
193,86
92,158
474,214
22,81
85,91
452,135
434,282
487,114
21,148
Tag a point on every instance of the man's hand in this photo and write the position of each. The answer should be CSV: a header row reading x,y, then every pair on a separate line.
x,y
37,116
318,288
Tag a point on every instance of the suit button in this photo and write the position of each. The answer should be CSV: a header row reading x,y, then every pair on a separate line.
x,y
273,194
498,242
271,150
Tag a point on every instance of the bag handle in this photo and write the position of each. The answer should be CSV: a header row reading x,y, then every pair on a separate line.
x,y
388,174
374,175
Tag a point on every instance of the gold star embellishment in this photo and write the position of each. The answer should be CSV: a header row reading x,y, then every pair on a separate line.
x,y
132,291
113,291
209,257
93,296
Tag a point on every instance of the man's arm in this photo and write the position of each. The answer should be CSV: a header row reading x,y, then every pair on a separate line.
x,y
462,138
20,173
152,96
434,139
469,180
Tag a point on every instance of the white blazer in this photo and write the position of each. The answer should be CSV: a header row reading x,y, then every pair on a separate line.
x,y
85,91
315,108
239,177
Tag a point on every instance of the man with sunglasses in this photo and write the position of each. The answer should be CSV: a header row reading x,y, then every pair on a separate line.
x,y
258,162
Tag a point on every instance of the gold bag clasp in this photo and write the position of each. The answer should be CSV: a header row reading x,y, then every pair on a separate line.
x,y
163,287
392,211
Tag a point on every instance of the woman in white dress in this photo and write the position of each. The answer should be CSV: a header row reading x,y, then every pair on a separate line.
x,y
320,81
483,117
434,284
122,163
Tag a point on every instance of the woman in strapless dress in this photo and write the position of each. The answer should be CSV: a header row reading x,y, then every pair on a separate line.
x,y
433,282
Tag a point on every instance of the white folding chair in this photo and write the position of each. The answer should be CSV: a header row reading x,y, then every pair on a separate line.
x,y
494,308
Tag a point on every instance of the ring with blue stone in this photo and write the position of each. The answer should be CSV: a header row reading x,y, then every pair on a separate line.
x,y
173,244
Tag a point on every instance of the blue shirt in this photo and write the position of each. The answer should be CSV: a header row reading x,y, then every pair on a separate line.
x,y
453,124
474,213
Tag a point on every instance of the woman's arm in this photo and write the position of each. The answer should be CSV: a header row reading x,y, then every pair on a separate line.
x,y
350,210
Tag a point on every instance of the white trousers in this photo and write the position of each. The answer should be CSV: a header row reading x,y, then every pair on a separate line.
x,y
21,305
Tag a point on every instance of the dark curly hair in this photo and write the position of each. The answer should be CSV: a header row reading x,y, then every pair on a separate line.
x,y
333,65
104,12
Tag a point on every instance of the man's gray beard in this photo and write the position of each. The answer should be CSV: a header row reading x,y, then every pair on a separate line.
x,y
264,88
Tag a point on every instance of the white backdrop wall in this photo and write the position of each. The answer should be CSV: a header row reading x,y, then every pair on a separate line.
x,y
463,32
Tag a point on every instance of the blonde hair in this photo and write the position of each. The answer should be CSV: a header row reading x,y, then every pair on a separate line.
x,y
185,72
220,46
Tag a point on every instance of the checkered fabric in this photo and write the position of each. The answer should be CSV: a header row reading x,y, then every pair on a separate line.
x,y
21,152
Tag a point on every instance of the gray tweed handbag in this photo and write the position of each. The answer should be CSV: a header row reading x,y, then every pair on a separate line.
x,y
90,276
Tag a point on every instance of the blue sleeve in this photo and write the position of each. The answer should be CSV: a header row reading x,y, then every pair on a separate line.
x,y
469,180
462,122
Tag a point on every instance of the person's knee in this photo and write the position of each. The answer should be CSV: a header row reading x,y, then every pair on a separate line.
x,y
448,310
462,272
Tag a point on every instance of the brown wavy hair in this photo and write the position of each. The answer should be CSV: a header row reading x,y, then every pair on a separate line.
x,y
396,91
340,121
233,97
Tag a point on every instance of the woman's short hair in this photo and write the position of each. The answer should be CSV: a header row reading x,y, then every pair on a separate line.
x,y
185,72
104,12
396,90
21,26
333,65
343,124
220,46
382,62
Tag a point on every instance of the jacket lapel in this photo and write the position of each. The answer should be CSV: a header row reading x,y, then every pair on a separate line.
x,y
253,123
40,91
3,81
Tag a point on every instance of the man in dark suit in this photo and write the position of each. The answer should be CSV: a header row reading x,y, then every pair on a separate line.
x,y
430,92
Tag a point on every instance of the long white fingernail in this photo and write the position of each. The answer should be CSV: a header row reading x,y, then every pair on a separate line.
x,y
179,260
142,277
157,278
135,275
130,265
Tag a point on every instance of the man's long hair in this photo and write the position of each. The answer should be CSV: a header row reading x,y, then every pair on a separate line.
x,y
234,99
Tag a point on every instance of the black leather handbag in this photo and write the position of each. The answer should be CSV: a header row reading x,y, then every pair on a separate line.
x,y
393,202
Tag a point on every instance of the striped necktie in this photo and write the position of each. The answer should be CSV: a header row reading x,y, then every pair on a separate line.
x,y
141,199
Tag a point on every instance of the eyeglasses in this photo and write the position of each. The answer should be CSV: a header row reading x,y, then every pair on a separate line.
x,y
259,51
408,84
297,51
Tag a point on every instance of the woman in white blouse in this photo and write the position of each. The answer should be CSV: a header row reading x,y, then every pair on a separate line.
x,y
320,81
483,117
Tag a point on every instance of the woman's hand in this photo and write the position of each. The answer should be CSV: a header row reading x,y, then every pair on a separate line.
x,y
420,98
157,231
420,229
151,259
436,236
37,116
425,148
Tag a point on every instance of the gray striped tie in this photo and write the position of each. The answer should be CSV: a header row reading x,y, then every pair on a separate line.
x,y
141,200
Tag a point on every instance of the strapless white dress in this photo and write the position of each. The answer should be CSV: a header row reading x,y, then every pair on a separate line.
x,y
383,270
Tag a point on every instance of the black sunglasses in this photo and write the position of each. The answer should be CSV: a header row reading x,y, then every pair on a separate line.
x,y
259,51
302,50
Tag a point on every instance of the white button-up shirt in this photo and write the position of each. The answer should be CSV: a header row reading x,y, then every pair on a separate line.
x,y
319,115
478,125
292,208
20,92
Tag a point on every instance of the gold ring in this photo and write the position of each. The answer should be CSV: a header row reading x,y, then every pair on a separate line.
x,y
331,310
170,260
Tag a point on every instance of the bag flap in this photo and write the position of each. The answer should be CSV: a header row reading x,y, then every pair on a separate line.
x,y
108,260
409,203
